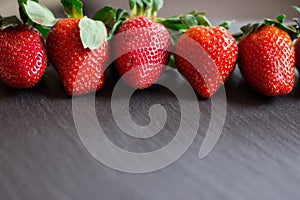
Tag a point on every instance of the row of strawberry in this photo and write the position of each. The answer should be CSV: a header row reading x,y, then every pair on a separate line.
x,y
79,48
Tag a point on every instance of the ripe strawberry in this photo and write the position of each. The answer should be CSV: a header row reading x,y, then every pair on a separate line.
x,y
23,58
81,70
298,54
77,46
267,58
206,56
140,45
143,49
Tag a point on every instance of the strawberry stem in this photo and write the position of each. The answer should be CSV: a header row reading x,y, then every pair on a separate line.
x,y
147,8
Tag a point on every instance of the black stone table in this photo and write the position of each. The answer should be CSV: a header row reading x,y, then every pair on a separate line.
x,y
42,156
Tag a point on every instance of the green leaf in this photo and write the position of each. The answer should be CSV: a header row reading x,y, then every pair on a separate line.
x,y
139,3
293,33
1,17
281,18
21,2
171,63
23,13
44,30
297,9
227,24
73,8
122,15
103,13
39,14
112,18
131,4
11,21
148,3
189,21
107,15
202,20
238,35
251,27
92,33
297,20
269,22
158,4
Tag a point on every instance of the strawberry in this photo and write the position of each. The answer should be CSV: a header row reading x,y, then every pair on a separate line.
x,y
298,54
146,44
267,57
140,45
23,58
81,70
205,55
76,46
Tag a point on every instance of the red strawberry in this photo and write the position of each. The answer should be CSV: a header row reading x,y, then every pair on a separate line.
x,y
140,45
77,47
23,58
80,69
143,46
206,56
298,54
267,60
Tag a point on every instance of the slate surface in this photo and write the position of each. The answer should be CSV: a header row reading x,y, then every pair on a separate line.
x,y
42,157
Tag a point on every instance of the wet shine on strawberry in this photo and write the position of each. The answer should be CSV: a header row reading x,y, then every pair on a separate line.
x,y
81,70
143,49
267,59
23,58
206,56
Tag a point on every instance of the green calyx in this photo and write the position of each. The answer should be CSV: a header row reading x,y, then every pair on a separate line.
x,y
112,18
297,20
180,23
186,21
277,22
148,8
11,21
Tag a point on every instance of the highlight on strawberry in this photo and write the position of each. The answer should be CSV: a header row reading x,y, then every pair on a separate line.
x,y
23,57
205,55
267,56
140,45
77,46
